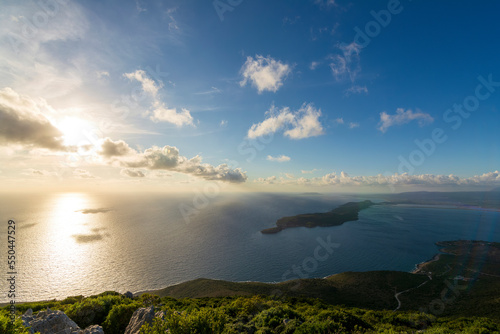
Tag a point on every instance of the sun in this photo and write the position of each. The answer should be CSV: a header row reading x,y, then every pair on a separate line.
x,y
74,130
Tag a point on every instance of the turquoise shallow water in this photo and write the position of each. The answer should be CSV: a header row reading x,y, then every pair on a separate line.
x,y
127,242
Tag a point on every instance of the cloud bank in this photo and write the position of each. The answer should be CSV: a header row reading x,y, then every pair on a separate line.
x,y
490,179
165,158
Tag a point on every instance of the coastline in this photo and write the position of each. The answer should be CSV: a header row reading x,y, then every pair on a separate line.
x,y
419,266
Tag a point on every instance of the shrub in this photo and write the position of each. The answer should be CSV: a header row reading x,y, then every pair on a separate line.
x,y
118,318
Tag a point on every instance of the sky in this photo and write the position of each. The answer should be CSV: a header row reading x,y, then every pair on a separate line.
x,y
239,95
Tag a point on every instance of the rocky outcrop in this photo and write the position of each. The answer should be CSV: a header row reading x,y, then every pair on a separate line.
x,y
55,322
129,294
142,316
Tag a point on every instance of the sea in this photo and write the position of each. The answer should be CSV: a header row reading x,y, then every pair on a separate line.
x,y
69,244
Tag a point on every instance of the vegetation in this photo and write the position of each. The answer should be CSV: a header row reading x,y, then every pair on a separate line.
x,y
251,314
463,296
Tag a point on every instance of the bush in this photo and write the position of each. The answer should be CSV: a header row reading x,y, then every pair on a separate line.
x,y
7,327
93,310
118,318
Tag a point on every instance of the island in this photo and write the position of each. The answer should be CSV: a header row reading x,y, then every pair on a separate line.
x,y
344,213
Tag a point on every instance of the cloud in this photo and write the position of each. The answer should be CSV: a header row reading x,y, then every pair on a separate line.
x,y
223,123
353,125
110,148
314,65
267,180
309,171
148,85
356,90
160,112
303,123
281,158
325,3
403,117
264,73
102,74
343,179
132,173
346,64
83,174
22,122
93,211
339,121
37,172
168,158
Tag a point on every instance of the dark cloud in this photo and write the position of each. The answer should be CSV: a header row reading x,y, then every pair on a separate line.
x,y
22,122
93,211
166,158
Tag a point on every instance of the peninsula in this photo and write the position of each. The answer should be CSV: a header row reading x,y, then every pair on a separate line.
x,y
344,213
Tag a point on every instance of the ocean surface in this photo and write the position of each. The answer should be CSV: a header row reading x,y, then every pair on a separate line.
x,y
82,244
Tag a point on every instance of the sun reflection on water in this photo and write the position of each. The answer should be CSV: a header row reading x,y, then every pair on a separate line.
x,y
69,237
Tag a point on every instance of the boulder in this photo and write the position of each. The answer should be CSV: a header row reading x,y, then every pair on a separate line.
x,y
139,318
95,329
55,322
128,294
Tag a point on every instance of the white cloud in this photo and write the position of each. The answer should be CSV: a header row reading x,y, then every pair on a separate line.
x,y
403,117
264,73
161,113
339,120
303,123
490,179
353,125
223,123
23,122
281,158
314,65
356,90
148,85
267,180
346,64
309,171
167,158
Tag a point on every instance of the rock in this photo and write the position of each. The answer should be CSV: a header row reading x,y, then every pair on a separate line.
x,y
49,322
55,322
139,318
160,314
95,329
129,294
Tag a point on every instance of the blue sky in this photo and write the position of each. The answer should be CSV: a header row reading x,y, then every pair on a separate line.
x,y
281,96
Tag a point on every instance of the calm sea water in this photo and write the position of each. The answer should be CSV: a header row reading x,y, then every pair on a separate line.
x,y
141,242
